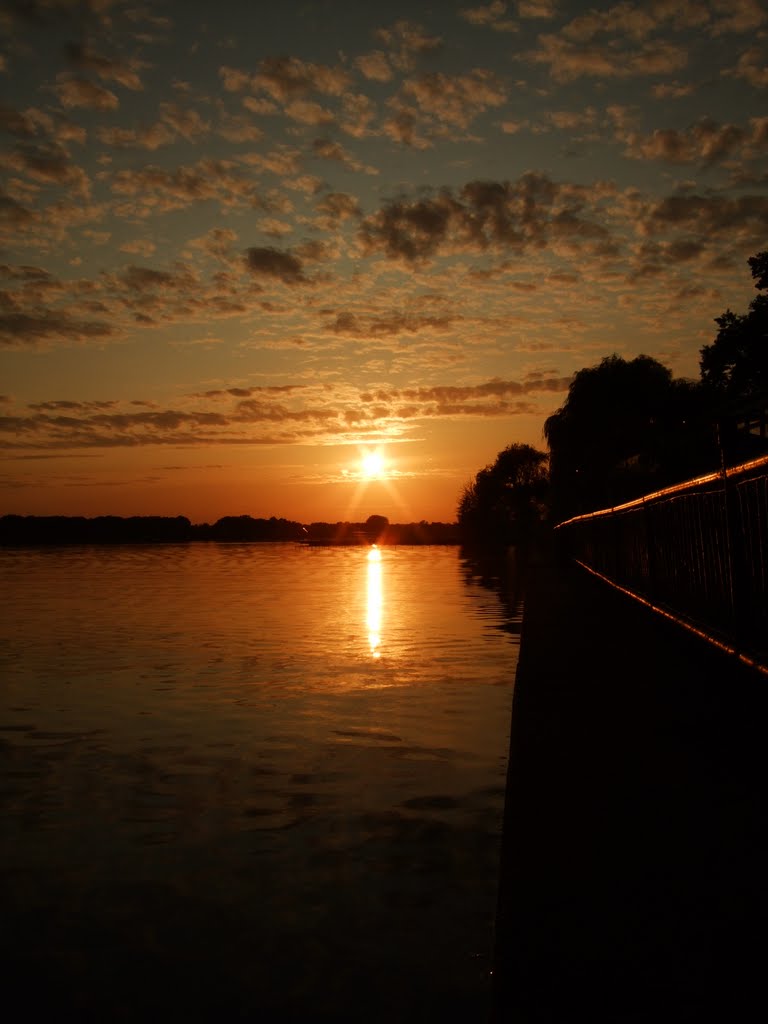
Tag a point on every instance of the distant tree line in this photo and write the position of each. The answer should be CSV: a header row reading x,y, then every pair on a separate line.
x,y
51,530
378,530
628,427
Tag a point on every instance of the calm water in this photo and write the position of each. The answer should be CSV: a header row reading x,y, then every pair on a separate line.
x,y
244,780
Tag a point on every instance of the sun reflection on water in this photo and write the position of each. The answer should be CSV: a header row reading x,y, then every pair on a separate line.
x,y
374,601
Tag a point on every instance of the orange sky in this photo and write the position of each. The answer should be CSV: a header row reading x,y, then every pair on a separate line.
x,y
239,251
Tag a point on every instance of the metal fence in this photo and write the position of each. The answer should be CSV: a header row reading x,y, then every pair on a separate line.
x,y
697,551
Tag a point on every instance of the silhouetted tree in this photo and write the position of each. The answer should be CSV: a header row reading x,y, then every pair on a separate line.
x,y
736,363
625,428
505,500
375,527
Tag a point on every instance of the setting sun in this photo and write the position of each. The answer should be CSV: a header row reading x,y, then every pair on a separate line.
x,y
372,465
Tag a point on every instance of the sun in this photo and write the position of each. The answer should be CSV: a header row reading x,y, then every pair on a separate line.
x,y
372,464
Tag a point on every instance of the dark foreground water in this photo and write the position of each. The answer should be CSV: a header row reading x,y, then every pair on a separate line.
x,y
251,782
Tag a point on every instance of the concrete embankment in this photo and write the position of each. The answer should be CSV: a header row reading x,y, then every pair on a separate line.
x,y
633,874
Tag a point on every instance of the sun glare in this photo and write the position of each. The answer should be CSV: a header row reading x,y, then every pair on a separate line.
x,y
372,464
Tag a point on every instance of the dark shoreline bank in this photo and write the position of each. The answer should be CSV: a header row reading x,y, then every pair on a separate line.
x,y
632,874
38,531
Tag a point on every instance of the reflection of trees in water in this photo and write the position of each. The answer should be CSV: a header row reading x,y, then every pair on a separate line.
x,y
502,572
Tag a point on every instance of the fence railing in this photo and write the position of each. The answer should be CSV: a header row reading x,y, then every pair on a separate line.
x,y
697,552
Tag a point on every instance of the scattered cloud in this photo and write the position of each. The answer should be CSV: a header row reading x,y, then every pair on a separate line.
x,y
26,330
74,91
704,142
568,60
139,247
150,190
481,216
455,100
326,149
491,15
109,69
264,415
406,42
275,263
374,66
752,66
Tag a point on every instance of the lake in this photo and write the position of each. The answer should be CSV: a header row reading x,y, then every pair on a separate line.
x,y
252,781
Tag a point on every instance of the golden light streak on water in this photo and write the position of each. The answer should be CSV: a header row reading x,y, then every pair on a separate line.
x,y
375,601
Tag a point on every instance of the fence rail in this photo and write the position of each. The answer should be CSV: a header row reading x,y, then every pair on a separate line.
x,y
697,552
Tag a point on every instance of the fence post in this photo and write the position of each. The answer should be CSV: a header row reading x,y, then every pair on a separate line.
x,y
737,562
650,541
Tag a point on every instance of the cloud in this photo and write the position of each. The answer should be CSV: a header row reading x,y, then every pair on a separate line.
x,y
156,190
16,122
406,41
455,100
265,415
494,398
308,112
233,79
705,142
68,405
238,128
483,215
287,78
73,91
624,40
239,392
24,330
282,160
621,41
569,60
279,264
139,247
13,215
655,258
393,324
374,66
737,16
402,127
326,149
274,228
147,279
337,207
150,138
60,128
107,68
708,216
412,231
175,122
49,165
537,8
752,67
671,90
358,111
491,15
187,124
568,120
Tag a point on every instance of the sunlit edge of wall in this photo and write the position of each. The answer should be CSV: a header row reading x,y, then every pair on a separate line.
x,y
685,623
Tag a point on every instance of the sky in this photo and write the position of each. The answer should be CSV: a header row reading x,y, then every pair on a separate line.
x,y
324,260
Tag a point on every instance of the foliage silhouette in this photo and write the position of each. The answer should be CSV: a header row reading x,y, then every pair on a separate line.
x,y
375,527
626,427
505,501
736,363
